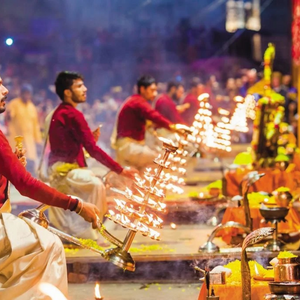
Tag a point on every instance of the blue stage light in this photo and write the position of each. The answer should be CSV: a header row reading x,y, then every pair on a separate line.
x,y
9,41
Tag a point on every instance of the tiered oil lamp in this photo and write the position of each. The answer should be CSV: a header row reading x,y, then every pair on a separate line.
x,y
172,179
205,134
178,161
202,124
238,120
135,211
250,104
222,133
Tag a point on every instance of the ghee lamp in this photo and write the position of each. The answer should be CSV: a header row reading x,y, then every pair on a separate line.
x,y
97,292
173,226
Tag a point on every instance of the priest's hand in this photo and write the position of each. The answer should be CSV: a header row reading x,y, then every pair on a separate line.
x,y
96,134
21,156
89,212
130,173
183,107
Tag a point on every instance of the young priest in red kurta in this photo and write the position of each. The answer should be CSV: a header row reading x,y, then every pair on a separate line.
x,y
196,89
166,104
38,250
69,133
131,125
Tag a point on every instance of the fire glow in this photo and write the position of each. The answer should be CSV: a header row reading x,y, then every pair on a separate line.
x,y
97,292
173,226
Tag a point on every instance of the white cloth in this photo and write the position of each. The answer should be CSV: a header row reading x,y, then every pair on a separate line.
x,y
82,183
29,255
134,153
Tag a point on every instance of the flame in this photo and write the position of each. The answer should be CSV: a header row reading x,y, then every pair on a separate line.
x,y
223,112
97,291
154,234
51,291
111,212
173,225
203,96
256,269
120,203
128,190
238,99
201,195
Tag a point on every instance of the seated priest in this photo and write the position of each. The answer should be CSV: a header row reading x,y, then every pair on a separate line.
x,y
128,138
29,253
69,133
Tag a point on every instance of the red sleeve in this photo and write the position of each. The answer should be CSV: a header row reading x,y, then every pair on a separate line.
x,y
28,186
168,111
161,108
151,114
83,135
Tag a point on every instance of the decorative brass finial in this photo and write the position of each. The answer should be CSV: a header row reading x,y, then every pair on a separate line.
x,y
19,142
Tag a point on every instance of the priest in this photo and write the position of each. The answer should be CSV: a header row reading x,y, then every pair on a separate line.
x,y
30,254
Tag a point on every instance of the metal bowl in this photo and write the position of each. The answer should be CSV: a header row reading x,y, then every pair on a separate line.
x,y
283,288
283,199
274,213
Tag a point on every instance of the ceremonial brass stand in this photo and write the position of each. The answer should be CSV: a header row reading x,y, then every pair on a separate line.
x,y
250,179
138,218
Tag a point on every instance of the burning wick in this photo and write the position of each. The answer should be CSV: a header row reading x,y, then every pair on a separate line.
x,y
201,195
256,270
173,226
97,292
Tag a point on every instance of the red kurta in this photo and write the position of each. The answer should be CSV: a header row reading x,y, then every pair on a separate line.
x,y
167,108
69,133
189,114
133,115
11,169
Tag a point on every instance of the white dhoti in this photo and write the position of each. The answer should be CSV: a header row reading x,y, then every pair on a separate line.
x,y
84,184
29,255
134,153
163,132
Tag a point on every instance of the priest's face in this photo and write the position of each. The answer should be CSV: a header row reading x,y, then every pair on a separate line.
x,y
149,92
3,96
179,92
78,90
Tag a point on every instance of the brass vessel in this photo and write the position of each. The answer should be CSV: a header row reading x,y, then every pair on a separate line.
x,y
287,270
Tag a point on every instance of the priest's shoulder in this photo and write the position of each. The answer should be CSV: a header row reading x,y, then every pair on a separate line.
x,y
3,139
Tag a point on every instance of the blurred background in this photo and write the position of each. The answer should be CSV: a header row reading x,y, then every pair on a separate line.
x,y
112,42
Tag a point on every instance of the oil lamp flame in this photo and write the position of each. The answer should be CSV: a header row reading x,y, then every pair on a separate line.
x,y
111,212
128,190
173,225
97,292
256,269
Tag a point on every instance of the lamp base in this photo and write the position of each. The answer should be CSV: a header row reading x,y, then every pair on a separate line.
x,y
209,247
120,258
274,245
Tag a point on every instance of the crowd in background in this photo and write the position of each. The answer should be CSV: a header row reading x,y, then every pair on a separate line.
x,y
103,109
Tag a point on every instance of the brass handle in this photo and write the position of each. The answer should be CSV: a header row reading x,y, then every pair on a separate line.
x,y
19,143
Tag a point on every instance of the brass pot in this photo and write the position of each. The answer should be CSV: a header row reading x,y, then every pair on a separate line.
x,y
284,288
283,199
287,270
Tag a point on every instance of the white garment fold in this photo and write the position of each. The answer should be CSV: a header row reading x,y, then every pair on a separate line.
x,y
29,255
82,183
